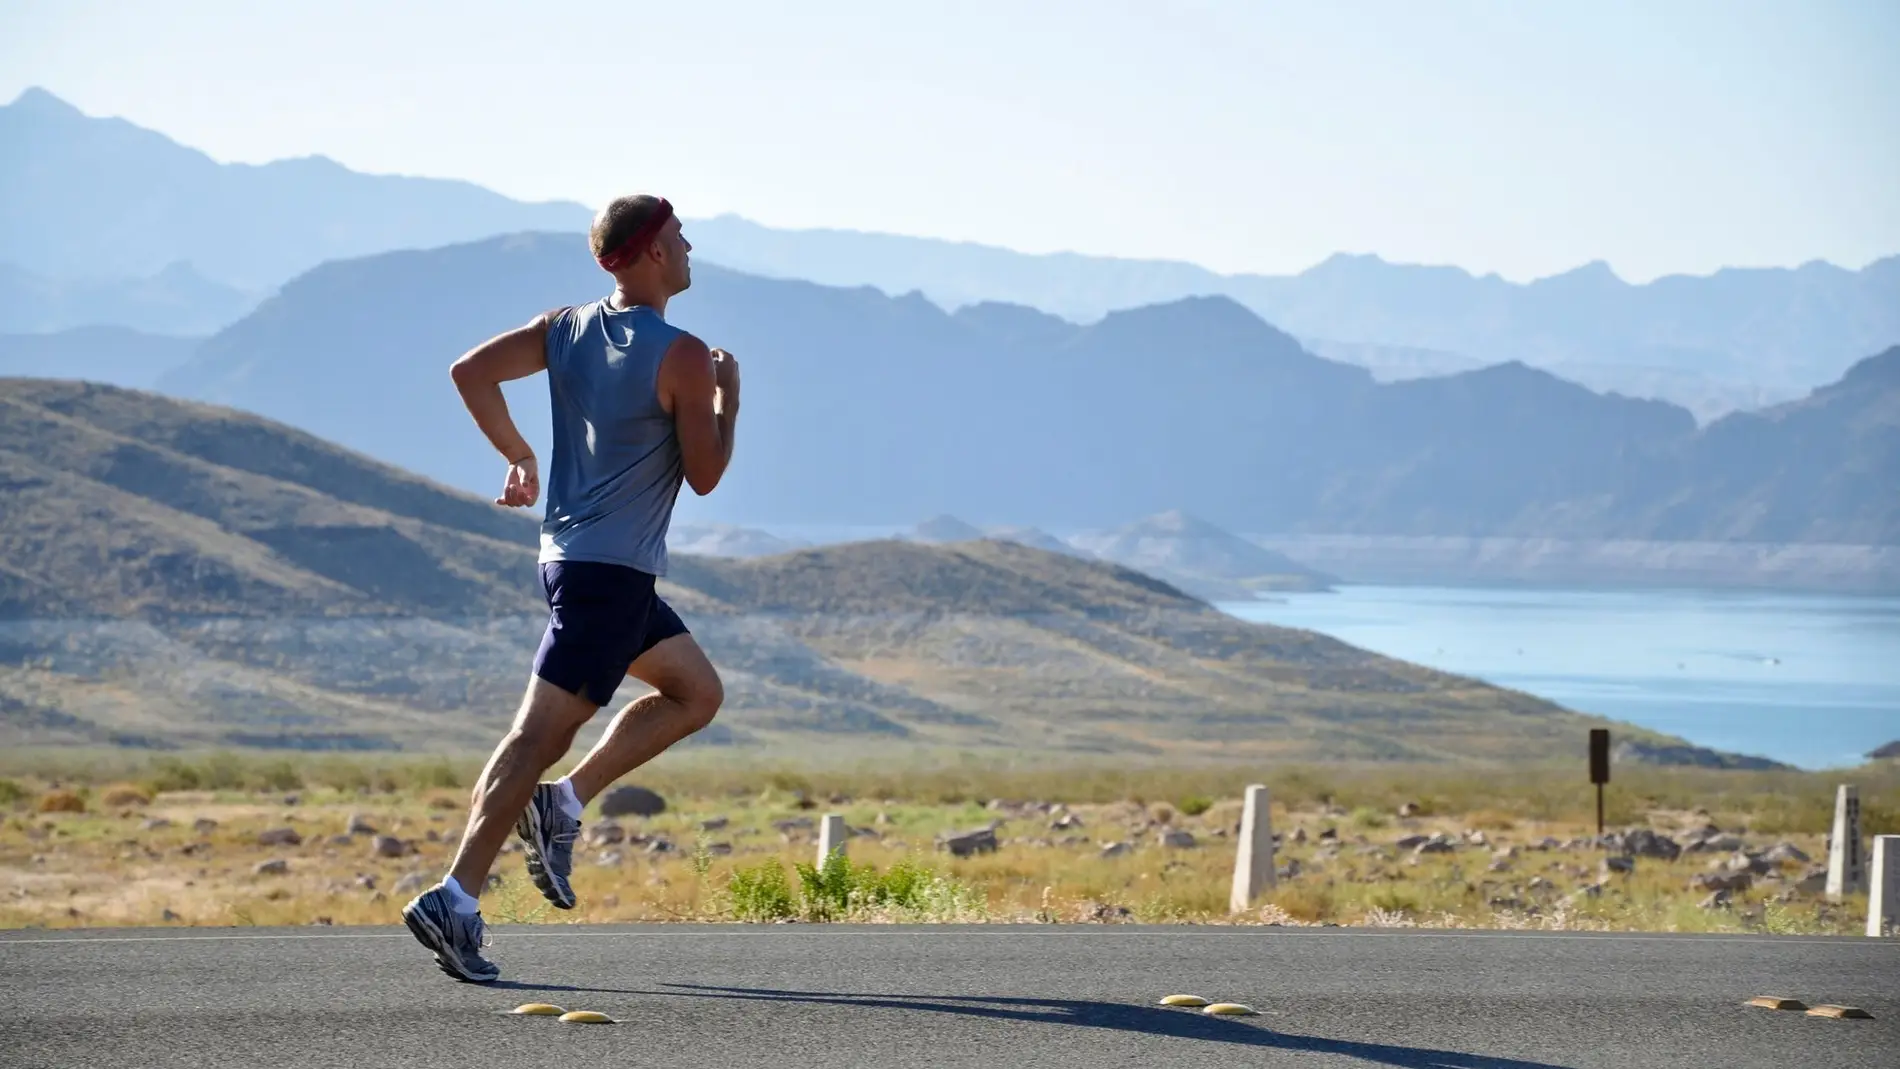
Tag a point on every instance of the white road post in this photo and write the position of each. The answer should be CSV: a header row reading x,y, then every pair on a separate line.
x,y
1846,865
1883,888
831,836
1253,862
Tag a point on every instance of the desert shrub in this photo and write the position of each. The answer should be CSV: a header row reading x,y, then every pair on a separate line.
x,y
1491,820
1195,805
120,795
62,801
279,776
760,892
826,890
1392,900
1307,901
11,793
1367,817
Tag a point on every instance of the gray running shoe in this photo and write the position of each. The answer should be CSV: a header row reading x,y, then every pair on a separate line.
x,y
456,938
549,834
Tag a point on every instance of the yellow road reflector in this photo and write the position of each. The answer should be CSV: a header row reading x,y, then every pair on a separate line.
x,y
1770,1002
1231,1009
1853,1013
1184,1000
538,1009
586,1017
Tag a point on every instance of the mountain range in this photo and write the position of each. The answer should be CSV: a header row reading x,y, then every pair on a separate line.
x,y
863,408
84,199
180,575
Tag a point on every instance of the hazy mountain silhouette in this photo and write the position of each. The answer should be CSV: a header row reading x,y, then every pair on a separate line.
x,y
941,530
116,355
1008,416
1783,328
105,198
84,197
177,300
1201,558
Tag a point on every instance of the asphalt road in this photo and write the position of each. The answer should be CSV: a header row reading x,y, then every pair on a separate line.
x,y
992,996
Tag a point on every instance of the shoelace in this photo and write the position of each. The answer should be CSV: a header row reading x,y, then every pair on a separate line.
x,y
482,939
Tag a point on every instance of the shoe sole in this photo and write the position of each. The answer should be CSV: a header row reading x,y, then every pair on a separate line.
x,y
529,830
433,939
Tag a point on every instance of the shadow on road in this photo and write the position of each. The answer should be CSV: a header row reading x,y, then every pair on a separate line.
x,y
1178,1024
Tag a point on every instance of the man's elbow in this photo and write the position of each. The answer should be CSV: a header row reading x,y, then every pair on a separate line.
x,y
703,484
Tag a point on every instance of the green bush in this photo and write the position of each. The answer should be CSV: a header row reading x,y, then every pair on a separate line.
x,y
11,793
1194,806
759,892
828,891
1367,817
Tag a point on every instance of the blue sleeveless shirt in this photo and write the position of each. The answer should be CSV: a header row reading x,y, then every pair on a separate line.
x,y
616,469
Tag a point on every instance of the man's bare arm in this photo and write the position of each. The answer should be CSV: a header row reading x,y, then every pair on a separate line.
x,y
700,387
478,377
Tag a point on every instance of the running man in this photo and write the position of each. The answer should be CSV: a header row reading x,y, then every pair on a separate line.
x,y
638,406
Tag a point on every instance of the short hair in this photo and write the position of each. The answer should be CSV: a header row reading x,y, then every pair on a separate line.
x,y
619,220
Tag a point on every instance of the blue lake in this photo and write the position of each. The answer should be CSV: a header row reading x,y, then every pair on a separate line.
x,y
1810,680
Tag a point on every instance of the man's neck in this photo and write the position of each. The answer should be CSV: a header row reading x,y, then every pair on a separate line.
x,y
626,296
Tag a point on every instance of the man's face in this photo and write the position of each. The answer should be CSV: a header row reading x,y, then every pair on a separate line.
x,y
679,271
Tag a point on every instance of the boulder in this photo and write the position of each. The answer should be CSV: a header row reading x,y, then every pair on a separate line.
x,y
606,833
276,866
631,802
1437,844
1621,866
1175,837
1784,851
359,826
204,825
279,837
1115,849
389,846
964,844
155,824
1721,881
1412,842
1642,842
713,823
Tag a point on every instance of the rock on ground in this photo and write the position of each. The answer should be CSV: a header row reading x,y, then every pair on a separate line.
x,y
631,802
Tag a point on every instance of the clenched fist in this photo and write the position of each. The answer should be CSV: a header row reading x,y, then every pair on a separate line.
x,y
726,373
523,484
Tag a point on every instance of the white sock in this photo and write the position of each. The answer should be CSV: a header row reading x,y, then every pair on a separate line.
x,y
570,802
461,900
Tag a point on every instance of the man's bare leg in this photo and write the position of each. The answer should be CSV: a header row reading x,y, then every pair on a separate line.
x,y
687,693
543,730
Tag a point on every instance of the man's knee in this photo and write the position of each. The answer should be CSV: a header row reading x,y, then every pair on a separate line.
x,y
702,695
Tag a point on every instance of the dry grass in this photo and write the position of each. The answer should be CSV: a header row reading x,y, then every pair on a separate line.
x,y
136,862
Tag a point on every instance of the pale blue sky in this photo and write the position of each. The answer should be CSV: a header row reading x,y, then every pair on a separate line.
x,y
1522,138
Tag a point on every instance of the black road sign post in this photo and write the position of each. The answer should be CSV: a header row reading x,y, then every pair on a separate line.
x,y
1599,768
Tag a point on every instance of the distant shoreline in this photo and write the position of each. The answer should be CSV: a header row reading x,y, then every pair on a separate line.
x,y
1628,564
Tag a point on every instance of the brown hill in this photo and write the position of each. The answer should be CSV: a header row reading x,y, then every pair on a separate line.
x,y
173,574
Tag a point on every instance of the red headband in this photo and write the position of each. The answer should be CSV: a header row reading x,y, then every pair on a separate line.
x,y
630,250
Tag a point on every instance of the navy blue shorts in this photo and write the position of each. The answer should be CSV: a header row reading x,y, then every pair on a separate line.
x,y
600,617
